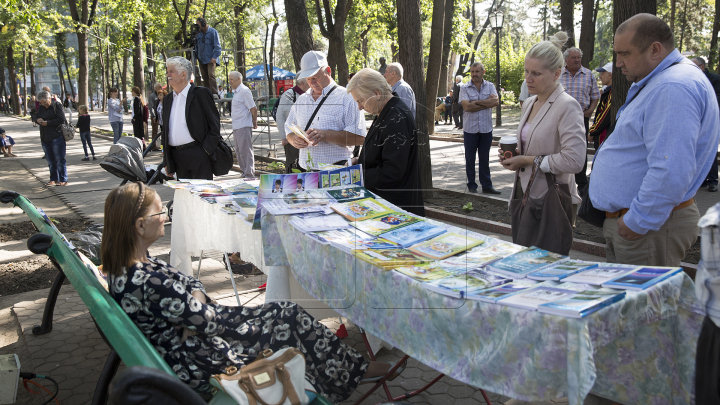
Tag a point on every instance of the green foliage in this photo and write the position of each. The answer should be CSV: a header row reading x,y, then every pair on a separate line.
x,y
274,166
468,207
512,62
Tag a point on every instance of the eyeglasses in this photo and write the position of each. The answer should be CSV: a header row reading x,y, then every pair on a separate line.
x,y
163,212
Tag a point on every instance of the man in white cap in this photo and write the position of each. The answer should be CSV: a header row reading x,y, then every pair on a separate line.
x,y
394,77
328,115
598,131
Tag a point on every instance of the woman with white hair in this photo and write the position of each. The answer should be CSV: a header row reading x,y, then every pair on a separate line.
x,y
50,117
390,154
551,138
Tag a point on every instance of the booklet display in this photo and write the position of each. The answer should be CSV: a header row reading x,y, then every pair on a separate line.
x,y
599,275
462,285
359,210
642,278
537,296
319,223
385,223
525,262
389,258
445,245
561,270
423,273
326,237
582,303
349,193
494,294
409,235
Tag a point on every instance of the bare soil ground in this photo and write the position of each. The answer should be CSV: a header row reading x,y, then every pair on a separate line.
x,y
27,275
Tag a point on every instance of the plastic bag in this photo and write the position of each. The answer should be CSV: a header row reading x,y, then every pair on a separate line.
x,y
88,242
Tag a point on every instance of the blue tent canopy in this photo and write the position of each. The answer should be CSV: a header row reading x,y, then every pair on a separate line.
x,y
258,73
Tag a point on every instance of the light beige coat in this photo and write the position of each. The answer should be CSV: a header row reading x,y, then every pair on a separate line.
x,y
558,133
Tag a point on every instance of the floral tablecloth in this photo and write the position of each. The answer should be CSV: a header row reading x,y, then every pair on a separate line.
x,y
640,350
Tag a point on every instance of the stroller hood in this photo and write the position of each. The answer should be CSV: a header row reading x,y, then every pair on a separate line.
x,y
125,160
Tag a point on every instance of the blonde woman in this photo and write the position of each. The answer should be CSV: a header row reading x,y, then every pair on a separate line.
x,y
139,120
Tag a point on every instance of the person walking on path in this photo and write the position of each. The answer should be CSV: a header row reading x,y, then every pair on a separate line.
x,y
152,105
478,97
83,124
244,120
115,113
651,215
287,100
712,178
51,116
456,106
394,76
208,50
598,131
580,83
139,119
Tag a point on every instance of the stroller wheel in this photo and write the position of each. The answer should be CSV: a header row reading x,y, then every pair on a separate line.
x,y
169,206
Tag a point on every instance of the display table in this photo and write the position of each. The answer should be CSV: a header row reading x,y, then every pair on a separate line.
x,y
640,350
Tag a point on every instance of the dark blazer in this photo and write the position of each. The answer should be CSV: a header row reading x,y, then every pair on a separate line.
x,y
390,157
55,117
202,118
715,81
456,106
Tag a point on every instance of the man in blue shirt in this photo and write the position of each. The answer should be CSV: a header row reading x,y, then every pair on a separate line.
x,y
647,172
394,76
207,48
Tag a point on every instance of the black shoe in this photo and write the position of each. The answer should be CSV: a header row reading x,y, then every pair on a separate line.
x,y
472,190
490,191
712,188
436,123
43,157
94,158
85,159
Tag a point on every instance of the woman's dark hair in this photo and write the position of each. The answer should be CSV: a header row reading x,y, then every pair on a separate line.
x,y
278,181
112,90
123,206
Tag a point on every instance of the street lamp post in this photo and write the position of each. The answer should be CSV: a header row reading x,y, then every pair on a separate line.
x,y
496,23
151,70
226,59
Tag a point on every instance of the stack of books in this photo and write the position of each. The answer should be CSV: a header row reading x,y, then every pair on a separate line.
x,y
526,261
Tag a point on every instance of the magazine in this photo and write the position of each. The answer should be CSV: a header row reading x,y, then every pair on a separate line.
x,y
319,223
642,278
360,210
334,176
385,223
409,235
531,299
501,248
445,245
505,290
358,244
562,270
389,258
462,285
526,261
349,194
325,237
423,273
581,304
601,274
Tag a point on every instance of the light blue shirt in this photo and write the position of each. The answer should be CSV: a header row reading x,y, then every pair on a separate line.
x,y
406,94
475,122
115,110
208,46
662,147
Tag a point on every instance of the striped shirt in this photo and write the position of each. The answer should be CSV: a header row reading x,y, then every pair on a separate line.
x,y
339,113
582,87
477,121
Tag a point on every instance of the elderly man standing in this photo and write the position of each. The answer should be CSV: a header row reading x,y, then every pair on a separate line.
x,y
580,83
328,114
663,145
192,124
712,177
287,100
478,97
152,106
208,50
394,77
244,119
457,113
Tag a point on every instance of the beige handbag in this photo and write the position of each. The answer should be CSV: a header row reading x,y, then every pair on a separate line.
x,y
272,379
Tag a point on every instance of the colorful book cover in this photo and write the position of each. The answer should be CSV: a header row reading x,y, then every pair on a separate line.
x,y
461,285
423,273
535,297
582,303
502,291
325,180
445,245
355,176
562,270
350,194
334,179
340,175
389,258
385,223
358,244
360,210
601,274
414,233
349,234
642,278
345,177
526,261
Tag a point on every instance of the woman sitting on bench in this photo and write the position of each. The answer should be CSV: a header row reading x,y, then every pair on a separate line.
x,y
198,337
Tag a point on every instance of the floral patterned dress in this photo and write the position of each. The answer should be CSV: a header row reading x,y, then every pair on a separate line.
x,y
158,299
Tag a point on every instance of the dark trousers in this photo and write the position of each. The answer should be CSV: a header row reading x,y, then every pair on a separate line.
x,y
208,76
477,144
55,156
291,156
712,177
457,114
581,178
85,138
192,163
707,364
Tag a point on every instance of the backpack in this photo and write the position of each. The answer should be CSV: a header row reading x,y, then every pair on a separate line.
x,y
277,103
146,113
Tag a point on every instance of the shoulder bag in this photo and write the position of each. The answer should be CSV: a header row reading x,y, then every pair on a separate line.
x,y
68,129
272,379
543,222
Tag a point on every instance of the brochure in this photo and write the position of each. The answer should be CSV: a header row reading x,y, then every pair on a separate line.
x,y
389,258
505,290
582,303
385,223
335,176
502,248
299,132
319,223
526,261
409,235
357,244
423,273
642,278
462,285
601,274
349,194
445,245
325,237
360,210
531,299
562,270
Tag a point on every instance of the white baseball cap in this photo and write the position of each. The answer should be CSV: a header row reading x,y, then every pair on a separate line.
x,y
606,68
311,63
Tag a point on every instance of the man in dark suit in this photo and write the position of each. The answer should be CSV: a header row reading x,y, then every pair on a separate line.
x,y
189,143
457,109
712,177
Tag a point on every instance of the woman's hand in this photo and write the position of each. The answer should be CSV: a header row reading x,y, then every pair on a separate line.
x,y
516,162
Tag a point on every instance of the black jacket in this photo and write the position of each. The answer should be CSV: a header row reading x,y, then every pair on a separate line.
x,y
390,158
55,117
456,106
715,81
202,118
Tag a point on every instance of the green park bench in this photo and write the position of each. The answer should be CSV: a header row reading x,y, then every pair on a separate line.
x,y
147,374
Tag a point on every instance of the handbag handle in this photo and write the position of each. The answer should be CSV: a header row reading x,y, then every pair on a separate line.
x,y
285,377
536,168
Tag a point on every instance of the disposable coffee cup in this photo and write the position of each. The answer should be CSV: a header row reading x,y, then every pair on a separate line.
x,y
508,144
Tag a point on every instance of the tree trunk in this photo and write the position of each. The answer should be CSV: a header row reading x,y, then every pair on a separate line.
x,y
682,29
138,65
240,41
2,74
272,52
410,55
567,23
434,62
151,63
13,80
467,57
672,15
299,30
33,89
111,70
587,32
24,82
447,42
123,78
103,73
714,38
334,31
622,10
67,72
60,45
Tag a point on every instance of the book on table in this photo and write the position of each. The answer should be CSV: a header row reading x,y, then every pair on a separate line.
x,y
360,210
246,203
445,245
349,193
350,245
526,261
325,237
463,284
582,303
603,273
642,278
297,203
389,258
319,223
532,298
494,294
561,270
500,247
423,272
409,235
385,223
